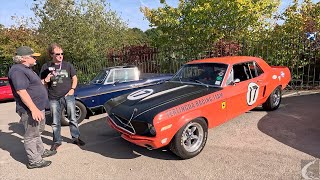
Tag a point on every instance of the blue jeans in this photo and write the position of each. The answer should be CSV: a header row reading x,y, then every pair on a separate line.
x,y
56,107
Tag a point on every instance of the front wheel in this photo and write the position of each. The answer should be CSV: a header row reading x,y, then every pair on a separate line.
x,y
273,101
81,113
190,139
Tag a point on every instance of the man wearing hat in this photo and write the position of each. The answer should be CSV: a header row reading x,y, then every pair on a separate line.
x,y
31,100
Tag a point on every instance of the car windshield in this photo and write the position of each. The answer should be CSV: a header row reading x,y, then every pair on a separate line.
x,y
208,74
3,82
100,78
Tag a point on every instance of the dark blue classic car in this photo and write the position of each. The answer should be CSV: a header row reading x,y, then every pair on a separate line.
x,y
109,83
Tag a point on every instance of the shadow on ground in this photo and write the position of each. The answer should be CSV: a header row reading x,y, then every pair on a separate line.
x,y
13,141
6,101
296,123
100,138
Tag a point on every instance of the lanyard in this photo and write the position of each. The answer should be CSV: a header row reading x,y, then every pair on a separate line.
x,y
59,66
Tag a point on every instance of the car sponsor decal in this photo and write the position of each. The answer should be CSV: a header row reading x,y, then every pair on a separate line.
x,y
219,78
217,83
252,94
142,93
223,105
274,77
193,104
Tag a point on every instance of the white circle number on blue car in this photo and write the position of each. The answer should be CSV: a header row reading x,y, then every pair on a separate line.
x,y
142,93
252,94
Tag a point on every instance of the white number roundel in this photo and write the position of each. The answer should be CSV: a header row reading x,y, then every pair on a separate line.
x,y
252,94
142,93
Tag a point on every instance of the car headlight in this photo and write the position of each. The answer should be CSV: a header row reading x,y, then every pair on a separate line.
x,y
144,128
152,130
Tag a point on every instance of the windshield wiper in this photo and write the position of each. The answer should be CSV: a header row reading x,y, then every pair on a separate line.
x,y
207,85
180,79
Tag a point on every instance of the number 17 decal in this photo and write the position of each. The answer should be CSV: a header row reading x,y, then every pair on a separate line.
x,y
252,94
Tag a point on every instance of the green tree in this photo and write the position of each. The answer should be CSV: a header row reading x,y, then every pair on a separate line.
x,y
86,29
13,37
200,22
136,36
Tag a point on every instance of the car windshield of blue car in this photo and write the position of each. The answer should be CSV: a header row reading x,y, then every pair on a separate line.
x,y
101,77
207,74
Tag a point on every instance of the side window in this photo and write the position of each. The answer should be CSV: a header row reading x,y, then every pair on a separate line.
x,y
251,69
241,71
4,83
247,70
259,70
124,75
110,78
255,69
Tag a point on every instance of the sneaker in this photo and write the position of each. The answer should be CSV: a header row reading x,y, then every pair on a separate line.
x,y
48,153
78,142
40,164
54,147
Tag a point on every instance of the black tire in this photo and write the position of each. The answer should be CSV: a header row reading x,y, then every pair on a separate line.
x,y
179,145
274,100
81,114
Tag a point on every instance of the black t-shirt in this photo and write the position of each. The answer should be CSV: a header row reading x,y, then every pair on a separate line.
x,y
61,82
22,77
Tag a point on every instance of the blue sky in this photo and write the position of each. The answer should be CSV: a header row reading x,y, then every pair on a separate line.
x,y
127,9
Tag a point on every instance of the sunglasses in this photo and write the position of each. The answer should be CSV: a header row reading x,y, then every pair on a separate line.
x,y
58,54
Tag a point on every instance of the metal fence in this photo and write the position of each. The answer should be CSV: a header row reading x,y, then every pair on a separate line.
x,y
300,55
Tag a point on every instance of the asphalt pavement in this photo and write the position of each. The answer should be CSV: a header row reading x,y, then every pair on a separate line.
x,y
255,145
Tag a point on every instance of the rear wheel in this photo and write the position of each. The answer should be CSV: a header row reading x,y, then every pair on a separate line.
x,y
273,101
81,113
190,139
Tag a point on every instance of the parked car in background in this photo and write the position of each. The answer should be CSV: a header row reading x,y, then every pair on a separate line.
x,y
5,89
201,95
109,83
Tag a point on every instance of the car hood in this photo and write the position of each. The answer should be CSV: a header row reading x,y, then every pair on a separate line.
x,y
144,104
86,89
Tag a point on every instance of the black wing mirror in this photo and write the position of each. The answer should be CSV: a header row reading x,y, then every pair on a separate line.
x,y
116,82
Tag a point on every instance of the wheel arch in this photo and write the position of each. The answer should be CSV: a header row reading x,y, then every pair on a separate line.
x,y
89,111
186,118
270,89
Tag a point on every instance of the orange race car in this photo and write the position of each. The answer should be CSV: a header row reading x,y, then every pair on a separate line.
x,y
201,95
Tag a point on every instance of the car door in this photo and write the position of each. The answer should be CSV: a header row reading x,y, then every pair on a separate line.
x,y
242,89
259,78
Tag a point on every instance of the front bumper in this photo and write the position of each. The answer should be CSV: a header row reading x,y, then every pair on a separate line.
x,y
148,142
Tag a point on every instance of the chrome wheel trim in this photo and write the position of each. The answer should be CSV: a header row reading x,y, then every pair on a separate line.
x,y
77,113
276,97
192,137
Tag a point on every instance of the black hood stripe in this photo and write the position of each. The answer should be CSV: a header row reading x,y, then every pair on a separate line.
x,y
169,102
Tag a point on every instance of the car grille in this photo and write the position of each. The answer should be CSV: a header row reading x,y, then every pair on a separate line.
x,y
123,123
133,127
